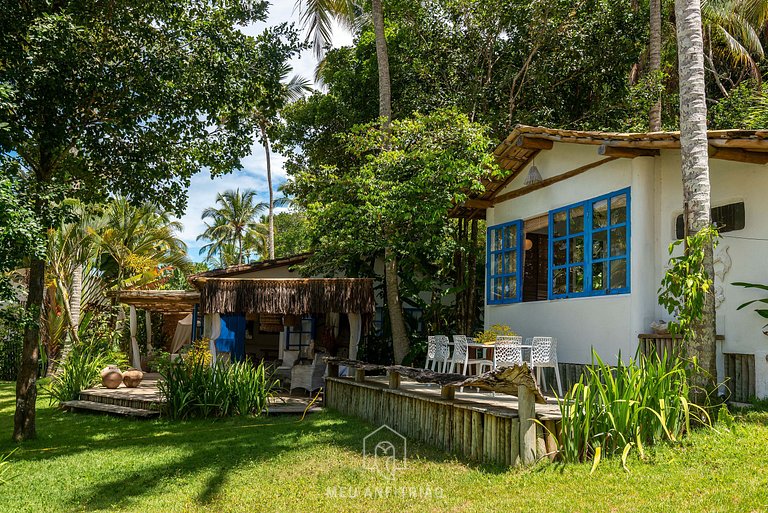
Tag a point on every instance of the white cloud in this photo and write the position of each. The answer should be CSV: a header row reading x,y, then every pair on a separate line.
x,y
202,191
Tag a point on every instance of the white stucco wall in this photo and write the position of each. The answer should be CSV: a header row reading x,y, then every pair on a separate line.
x,y
611,323
748,248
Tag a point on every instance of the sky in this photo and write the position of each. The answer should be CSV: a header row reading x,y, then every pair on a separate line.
x,y
203,189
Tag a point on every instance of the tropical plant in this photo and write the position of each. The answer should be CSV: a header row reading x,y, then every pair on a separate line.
x,y
199,352
234,226
686,283
497,330
5,468
629,407
82,370
762,312
194,388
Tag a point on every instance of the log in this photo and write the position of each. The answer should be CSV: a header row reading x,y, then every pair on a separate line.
x,y
447,392
532,143
526,407
394,380
739,155
359,375
627,153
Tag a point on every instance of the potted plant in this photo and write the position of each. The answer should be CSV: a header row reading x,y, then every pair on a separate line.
x,y
497,330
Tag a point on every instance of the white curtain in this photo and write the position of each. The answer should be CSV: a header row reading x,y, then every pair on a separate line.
x,y
215,332
135,356
355,332
182,335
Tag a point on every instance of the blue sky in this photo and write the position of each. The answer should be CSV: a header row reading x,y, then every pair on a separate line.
x,y
203,189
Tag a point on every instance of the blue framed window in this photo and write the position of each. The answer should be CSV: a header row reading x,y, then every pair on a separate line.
x,y
589,247
504,263
299,338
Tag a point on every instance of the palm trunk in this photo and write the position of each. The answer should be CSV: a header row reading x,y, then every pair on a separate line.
x,y
654,121
400,341
26,382
695,172
271,228
73,307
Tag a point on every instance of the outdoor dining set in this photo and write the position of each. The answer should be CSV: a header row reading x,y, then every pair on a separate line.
x,y
444,355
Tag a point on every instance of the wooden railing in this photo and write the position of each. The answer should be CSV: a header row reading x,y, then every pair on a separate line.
x,y
480,432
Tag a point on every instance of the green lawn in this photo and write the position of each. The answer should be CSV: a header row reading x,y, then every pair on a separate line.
x,y
93,463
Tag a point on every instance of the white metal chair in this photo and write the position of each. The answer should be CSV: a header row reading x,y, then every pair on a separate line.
x,y
429,362
461,357
508,351
442,353
544,354
309,376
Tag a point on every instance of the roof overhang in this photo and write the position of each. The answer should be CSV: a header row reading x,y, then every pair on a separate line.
x,y
163,301
525,142
263,265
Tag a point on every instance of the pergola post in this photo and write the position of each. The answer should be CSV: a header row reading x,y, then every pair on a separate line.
x,y
148,324
135,356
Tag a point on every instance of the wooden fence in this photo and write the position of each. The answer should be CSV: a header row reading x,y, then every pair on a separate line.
x,y
474,431
739,376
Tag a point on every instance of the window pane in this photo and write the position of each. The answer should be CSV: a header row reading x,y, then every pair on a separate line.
x,y
558,227
600,244
495,240
577,279
498,260
558,281
599,214
558,257
618,274
577,249
577,219
510,262
599,276
619,209
496,289
619,241
510,237
510,287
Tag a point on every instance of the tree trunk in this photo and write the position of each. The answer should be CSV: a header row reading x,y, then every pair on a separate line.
x,y
654,121
271,228
472,278
75,298
26,382
695,170
400,342
382,58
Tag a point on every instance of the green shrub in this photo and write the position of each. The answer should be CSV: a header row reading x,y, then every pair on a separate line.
x,y
612,410
81,370
193,388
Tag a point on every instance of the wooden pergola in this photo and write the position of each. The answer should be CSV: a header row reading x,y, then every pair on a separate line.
x,y
167,302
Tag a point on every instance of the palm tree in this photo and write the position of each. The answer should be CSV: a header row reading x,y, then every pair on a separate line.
x,y
234,223
695,167
135,242
293,89
317,19
654,61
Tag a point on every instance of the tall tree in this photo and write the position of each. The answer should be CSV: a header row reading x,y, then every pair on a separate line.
x,y
122,97
695,169
654,62
234,225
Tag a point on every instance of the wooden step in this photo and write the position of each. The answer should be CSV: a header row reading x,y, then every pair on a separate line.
x,y
110,408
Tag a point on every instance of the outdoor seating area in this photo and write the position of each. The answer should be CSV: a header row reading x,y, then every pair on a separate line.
x,y
467,356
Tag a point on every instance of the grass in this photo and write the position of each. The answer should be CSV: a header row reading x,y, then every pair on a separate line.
x,y
94,463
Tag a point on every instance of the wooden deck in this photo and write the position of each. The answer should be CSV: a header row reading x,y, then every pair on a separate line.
x,y
145,400
475,426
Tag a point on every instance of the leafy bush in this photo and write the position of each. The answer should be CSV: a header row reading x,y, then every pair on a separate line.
x,y
82,369
497,330
193,388
613,410
199,351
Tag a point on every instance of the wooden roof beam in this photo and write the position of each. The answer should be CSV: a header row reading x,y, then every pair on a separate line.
x,y
627,153
533,143
739,155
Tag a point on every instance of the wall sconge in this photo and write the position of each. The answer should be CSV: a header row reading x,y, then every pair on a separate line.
x,y
533,175
528,244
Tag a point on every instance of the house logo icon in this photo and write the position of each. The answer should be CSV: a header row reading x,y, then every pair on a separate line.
x,y
385,451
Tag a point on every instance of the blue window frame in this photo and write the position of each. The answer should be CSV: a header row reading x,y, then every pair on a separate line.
x,y
299,338
589,247
504,263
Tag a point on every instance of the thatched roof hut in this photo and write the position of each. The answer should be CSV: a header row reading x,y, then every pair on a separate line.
x,y
286,296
